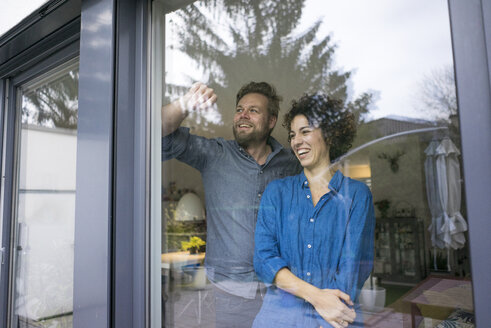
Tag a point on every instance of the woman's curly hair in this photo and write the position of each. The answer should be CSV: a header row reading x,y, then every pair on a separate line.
x,y
337,123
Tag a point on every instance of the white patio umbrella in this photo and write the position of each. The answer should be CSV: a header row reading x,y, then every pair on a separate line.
x,y
449,192
433,199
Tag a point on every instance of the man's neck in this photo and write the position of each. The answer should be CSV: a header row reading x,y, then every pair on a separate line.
x,y
259,151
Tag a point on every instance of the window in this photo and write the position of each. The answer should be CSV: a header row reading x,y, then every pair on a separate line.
x,y
392,66
42,284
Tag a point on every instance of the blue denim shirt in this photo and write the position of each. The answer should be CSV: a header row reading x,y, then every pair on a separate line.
x,y
234,183
329,245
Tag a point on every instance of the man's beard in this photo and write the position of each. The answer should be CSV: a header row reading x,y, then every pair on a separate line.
x,y
247,139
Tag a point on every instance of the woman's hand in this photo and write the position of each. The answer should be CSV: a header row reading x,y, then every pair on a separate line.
x,y
329,304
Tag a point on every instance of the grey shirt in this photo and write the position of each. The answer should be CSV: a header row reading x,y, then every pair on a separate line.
x,y
233,183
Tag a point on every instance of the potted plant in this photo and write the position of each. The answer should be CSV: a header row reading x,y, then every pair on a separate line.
x,y
194,245
195,271
372,297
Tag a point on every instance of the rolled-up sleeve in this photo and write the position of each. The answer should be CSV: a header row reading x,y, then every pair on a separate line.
x,y
267,258
356,258
174,144
190,149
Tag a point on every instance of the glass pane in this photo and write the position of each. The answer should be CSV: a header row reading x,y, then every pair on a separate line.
x,y
390,65
45,210
13,12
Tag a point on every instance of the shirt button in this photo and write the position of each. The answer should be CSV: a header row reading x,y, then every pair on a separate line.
x,y
311,220
308,274
308,196
261,172
305,182
259,195
309,246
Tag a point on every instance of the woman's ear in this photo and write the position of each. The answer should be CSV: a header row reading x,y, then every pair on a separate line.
x,y
327,139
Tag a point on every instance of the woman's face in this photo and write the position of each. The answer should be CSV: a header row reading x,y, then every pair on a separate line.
x,y
308,143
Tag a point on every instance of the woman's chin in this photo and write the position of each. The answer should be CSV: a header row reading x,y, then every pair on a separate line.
x,y
304,162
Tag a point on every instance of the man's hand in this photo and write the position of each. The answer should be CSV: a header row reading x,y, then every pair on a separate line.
x,y
329,304
199,97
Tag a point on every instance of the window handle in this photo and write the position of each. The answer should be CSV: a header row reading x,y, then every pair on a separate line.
x,y
22,236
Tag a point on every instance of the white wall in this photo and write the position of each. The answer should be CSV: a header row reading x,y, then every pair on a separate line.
x,y
46,216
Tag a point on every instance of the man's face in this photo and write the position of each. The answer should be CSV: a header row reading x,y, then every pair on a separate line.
x,y
252,122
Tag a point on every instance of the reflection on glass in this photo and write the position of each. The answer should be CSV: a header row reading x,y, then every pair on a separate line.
x,y
391,65
260,42
45,211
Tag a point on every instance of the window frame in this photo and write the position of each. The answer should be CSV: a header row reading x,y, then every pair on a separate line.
x,y
122,114
63,56
26,52
471,40
111,287
132,306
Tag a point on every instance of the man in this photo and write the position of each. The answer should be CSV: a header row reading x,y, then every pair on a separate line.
x,y
235,173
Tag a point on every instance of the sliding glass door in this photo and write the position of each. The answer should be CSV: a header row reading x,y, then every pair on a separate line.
x,y
41,292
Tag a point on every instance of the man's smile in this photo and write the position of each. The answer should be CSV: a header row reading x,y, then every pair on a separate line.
x,y
244,125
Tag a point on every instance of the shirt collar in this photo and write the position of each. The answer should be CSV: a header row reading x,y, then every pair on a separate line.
x,y
334,184
275,145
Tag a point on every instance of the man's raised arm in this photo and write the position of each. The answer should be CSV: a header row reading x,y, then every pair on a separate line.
x,y
199,97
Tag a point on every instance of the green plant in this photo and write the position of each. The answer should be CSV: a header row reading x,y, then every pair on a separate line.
x,y
383,207
193,245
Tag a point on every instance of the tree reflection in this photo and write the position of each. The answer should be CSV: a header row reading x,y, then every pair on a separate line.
x,y
436,95
237,41
53,104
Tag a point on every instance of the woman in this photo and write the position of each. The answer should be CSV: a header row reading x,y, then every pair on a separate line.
x,y
314,234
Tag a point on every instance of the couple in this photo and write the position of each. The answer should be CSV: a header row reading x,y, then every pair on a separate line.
x,y
314,232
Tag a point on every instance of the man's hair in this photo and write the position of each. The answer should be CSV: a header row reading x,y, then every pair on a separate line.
x,y
266,90
336,122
